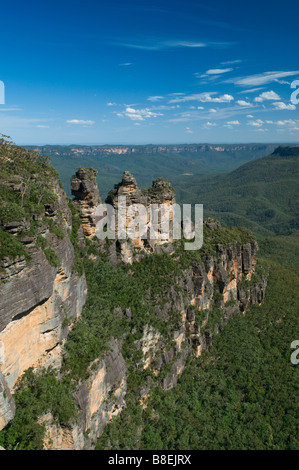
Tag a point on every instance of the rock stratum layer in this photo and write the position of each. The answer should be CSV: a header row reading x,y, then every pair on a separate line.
x,y
41,301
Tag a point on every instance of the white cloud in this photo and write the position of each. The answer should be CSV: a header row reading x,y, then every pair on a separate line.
x,y
155,98
138,114
257,123
231,62
80,122
180,119
11,109
185,44
9,121
280,105
285,122
217,71
282,82
249,116
204,98
231,124
210,124
125,64
42,127
288,122
206,79
243,103
212,110
261,79
163,107
267,95
153,45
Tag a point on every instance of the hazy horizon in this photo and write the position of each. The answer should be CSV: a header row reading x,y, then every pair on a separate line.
x,y
159,143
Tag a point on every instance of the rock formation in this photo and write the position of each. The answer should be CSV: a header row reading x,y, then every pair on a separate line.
x,y
161,193
87,197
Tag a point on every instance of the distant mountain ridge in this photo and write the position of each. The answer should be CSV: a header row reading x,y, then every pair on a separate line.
x,y
129,149
148,162
262,195
264,191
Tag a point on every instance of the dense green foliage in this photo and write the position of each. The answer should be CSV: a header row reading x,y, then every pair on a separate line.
x,y
242,394
39,392
140,287
9,246
52,257
112,290
24,178
26,186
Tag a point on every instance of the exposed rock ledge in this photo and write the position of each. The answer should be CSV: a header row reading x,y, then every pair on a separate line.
x,y
36,301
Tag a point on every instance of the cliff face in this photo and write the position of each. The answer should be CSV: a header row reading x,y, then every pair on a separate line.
x,y
36,298
181,306
99,399
40,295
205,295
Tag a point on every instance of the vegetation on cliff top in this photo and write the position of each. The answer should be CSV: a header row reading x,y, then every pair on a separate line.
x,y
27,182
25,178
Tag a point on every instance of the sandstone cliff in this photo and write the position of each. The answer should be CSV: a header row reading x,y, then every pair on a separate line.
x,y
40,294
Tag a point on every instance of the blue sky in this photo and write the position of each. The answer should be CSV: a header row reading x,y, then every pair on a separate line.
x,y
98,72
